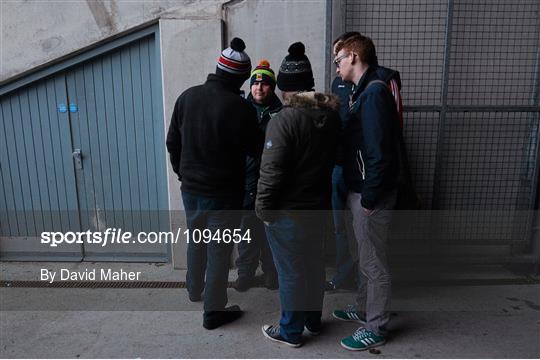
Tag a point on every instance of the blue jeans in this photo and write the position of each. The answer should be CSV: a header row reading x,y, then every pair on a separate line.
x,y
345,266
298,249
211,259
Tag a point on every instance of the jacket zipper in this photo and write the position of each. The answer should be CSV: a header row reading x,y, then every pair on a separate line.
x,y
360,163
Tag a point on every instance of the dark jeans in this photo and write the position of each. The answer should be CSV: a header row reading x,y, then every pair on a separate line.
x,y
297,245
211,259
250,253
345,265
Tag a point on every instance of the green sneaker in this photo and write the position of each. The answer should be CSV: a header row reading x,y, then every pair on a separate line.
x,y
362,339
349,314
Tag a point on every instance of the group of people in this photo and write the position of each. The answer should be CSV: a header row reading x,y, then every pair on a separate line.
x,y
284,166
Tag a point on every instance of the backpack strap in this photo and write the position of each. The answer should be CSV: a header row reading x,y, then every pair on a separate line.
x,y
375,82
351,103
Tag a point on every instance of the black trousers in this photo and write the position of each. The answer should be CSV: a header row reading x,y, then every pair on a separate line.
x,y
249,254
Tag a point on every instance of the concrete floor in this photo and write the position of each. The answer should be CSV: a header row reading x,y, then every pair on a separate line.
x,y
480,321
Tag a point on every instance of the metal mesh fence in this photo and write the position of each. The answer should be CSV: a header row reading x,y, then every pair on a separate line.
x,y
409,36
493,52
471,89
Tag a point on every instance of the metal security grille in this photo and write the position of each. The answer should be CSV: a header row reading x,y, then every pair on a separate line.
x,y
471,88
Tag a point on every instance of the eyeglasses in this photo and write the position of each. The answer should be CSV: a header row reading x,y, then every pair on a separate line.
x,y
338,59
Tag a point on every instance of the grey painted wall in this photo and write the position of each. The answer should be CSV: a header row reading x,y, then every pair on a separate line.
x,y
270,26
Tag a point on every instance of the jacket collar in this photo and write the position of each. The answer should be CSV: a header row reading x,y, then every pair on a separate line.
x,y
368,76
274,105
217,80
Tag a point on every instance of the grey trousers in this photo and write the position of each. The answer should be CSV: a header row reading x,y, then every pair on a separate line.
x,y
371,233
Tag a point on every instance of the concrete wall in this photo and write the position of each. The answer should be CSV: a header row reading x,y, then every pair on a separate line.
x,y
185,63
37,32
269,26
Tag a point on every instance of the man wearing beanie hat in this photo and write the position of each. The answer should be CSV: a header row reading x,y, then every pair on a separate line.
x,y
267,104
295,182
212,130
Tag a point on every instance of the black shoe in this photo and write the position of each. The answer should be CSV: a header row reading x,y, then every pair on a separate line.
x,y
214,319
195,297
312,330
272,333
330,286
271,281
243,283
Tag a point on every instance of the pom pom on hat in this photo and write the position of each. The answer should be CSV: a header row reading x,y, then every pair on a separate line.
x,y
297,49
238,44
264,63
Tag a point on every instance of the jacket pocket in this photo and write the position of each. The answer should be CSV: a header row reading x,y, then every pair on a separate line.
x,y
361,166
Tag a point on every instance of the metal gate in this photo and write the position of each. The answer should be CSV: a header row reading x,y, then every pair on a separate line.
x,y
83,149
471,89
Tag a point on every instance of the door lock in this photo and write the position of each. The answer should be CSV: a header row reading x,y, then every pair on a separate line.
x,y
77,157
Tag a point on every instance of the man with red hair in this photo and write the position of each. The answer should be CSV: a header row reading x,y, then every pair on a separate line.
x,y
370,169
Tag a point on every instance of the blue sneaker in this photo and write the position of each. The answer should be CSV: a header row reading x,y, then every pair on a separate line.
x,y
362,339
272,333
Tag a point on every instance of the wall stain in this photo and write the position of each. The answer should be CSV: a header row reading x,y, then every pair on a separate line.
x,y
105,20
50,43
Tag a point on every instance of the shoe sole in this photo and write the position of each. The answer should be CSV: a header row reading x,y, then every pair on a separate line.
x,y
280,341
349,320
365,348
313,333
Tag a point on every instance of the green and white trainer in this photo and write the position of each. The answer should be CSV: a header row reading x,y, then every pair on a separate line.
x,y
362,339
349,314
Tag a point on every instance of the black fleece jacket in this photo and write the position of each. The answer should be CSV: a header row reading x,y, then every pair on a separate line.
x,y
212,130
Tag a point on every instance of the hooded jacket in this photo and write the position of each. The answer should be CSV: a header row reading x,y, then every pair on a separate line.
x,y
299,155
212,130
371,157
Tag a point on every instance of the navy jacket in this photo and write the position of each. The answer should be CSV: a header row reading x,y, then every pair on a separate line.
x,y
343,90
371,158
